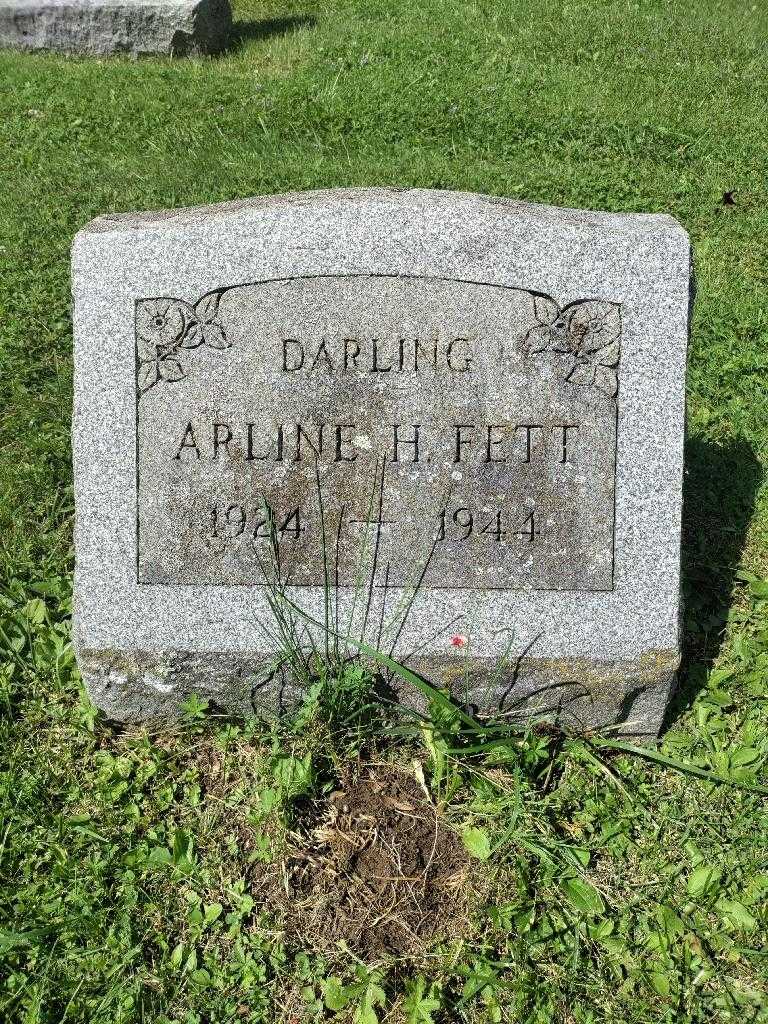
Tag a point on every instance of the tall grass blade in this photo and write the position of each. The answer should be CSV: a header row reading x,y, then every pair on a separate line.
x,y
680,766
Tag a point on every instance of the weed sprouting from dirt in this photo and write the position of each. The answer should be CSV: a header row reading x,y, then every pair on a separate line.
x,y
377,868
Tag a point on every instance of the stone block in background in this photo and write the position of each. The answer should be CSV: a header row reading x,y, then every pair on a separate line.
x,y
104,27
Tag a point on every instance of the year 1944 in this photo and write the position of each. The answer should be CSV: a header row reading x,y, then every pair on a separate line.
x,y
463,524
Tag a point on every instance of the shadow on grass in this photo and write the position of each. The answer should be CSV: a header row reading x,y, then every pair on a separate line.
x,y
256,31
721,482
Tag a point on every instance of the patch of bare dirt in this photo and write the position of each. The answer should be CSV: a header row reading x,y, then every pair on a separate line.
x,y
378,868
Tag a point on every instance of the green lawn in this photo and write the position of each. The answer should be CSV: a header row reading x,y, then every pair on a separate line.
x,y
605,887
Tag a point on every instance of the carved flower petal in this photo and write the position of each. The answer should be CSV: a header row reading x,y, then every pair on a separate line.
x,y
171,370
146,348
609,356
213,335
606,380
596,323
562,346
538,339
146,311
160,321
148,375
583,373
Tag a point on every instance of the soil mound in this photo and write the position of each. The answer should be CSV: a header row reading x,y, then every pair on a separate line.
x,y
379,869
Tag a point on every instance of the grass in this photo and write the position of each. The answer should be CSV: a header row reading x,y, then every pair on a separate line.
x,y
608,888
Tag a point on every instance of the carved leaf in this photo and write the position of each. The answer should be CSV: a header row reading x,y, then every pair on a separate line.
x,y
213,335
609,356
171,370
148,375
545,310
606,380
208,307
193,336
583,373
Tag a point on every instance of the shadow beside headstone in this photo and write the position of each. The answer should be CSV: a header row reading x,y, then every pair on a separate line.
x,y
719,490
248,31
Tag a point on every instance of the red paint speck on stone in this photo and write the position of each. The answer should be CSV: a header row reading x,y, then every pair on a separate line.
x,y
458,641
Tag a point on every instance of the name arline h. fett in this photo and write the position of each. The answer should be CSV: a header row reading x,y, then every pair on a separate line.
x,y
486,443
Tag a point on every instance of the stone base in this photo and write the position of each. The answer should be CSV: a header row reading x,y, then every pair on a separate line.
x,y
103,27
618,698
615,698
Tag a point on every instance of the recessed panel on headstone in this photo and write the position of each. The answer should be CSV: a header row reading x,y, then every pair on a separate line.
x,y
470,425
455,422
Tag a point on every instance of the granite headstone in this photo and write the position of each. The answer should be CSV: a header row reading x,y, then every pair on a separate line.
x,y
478,403
103,27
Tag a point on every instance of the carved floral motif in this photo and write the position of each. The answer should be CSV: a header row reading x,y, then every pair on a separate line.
x,y
166,329
585,334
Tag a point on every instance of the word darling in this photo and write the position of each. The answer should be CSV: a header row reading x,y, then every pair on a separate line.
x,y
346,442
377,355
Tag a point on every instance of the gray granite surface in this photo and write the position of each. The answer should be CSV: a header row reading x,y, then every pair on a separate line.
x,y
489,395
103,27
